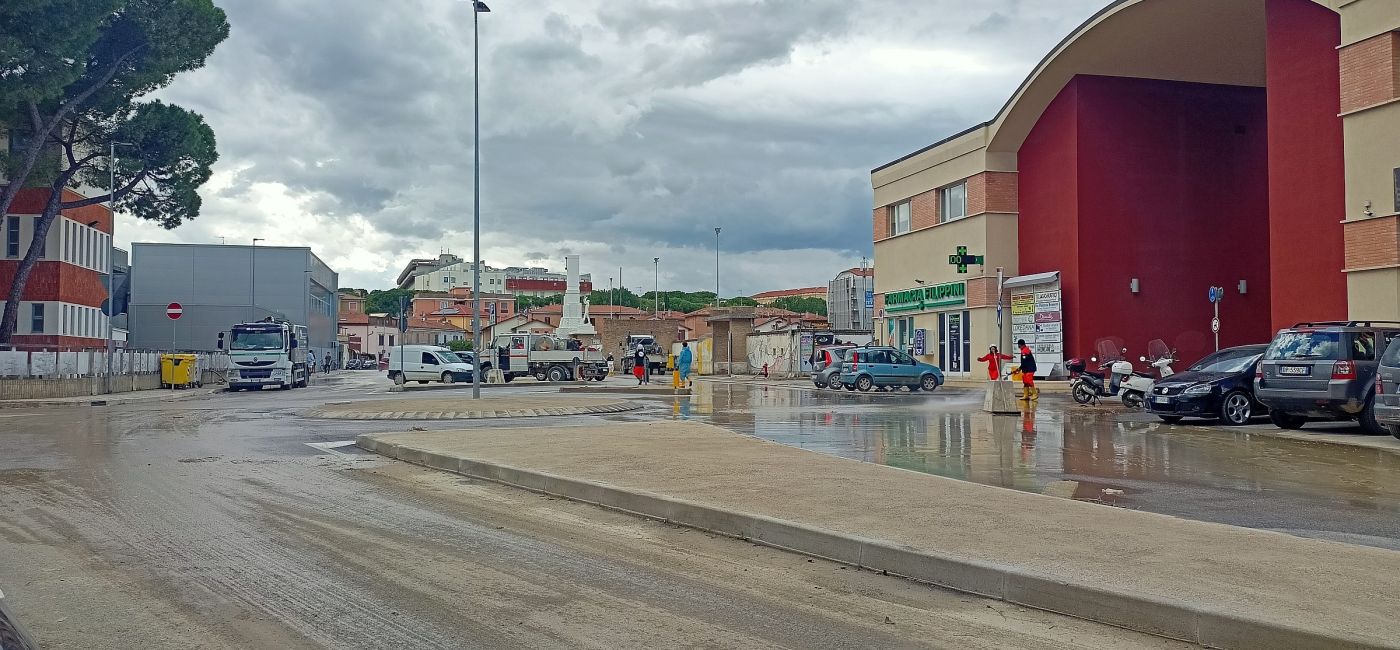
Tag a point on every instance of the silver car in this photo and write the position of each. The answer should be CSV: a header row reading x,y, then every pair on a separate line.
x,y
1387,404
828,372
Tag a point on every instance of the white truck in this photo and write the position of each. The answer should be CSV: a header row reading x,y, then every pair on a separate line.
x,y
266,353
656,356
545,357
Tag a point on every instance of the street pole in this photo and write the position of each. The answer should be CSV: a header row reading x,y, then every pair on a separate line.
x,y
1001,330
655,287
717,268
111,300
253,281
477,8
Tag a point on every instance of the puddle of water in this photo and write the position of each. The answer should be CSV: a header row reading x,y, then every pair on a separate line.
x,y
1079,453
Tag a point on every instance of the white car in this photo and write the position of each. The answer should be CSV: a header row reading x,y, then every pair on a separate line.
x,y
425,363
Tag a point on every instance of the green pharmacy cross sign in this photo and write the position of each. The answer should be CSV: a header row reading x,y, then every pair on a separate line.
x,y
962,259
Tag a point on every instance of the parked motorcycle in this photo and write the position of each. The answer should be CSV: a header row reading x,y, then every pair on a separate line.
x,y
1137,386
1120,380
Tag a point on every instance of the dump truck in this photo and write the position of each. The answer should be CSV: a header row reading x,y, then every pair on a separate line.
x,y
269,352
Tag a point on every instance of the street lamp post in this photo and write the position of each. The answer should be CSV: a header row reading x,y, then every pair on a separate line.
x,y
655,287
716,268
253,280
477,8
111,250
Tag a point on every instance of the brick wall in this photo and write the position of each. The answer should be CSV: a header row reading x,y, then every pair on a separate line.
x,y
881,224
1372,243
613,331
923,213
57,281
1370,71
992,192
982,292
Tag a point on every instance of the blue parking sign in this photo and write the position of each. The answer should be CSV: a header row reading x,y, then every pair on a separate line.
x,y
869,299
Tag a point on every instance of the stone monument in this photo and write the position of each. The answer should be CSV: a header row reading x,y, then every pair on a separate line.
x,y
574,321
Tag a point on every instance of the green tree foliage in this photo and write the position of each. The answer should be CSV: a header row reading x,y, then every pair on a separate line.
x,y
741,301
77,100
459,346
801,305
386,301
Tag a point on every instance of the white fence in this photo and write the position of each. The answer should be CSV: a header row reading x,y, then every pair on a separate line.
x,y
92,363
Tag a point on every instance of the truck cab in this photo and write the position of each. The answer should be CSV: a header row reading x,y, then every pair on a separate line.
x,y
656,356
266,353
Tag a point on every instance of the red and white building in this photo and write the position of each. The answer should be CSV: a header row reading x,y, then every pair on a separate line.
x,y
61,306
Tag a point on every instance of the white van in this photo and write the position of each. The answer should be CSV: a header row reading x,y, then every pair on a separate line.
x,y
425,363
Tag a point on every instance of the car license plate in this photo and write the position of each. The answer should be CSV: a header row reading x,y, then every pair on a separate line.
x,y
1295,370
1161,400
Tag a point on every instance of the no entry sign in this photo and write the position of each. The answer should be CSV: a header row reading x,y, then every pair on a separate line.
x,y
174,311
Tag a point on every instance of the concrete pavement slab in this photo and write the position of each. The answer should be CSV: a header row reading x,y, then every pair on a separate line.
x,y
470,409
1207,583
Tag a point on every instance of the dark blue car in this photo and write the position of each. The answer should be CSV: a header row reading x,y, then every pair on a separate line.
x,y
1220,386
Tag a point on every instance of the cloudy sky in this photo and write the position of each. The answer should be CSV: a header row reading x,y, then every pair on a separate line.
x,y
619,131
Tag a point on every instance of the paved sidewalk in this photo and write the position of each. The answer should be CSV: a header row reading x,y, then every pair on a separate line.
x,y
1212,584
157,395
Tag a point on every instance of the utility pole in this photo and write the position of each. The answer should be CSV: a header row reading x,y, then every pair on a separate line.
x,y
717,268
655,287
477,9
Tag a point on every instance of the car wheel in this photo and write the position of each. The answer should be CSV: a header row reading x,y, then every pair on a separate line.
x,y
1287,421
865,384
398,379
834,385
285,387
929,382
556,373
1368,419
446,377
510,377
1236,409
819,382
1170,419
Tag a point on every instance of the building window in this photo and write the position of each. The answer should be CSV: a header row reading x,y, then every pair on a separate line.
x,y
36,319
391,340
12,236
900,218
952,202
381,340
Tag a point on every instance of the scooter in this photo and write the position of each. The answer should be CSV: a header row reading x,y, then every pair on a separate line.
x,y
1088,387
1137,386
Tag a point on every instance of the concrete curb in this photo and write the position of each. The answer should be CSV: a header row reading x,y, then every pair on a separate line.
x,y
1162,617
116,399
332,414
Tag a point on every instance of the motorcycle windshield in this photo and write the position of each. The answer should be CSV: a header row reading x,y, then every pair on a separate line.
x,y
1108,350
1157,349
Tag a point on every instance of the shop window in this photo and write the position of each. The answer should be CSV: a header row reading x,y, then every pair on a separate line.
x,y
900,218
36,319
952,202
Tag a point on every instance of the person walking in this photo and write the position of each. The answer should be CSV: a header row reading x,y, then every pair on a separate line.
x,y
993,358
1028,370
639,364
683,363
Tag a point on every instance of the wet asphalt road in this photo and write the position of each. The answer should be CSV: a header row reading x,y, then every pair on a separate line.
x,y
230,522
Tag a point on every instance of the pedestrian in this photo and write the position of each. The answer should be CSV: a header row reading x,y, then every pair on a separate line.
x,y
639,364
1028,370
310,362
994,357
610,364
683,363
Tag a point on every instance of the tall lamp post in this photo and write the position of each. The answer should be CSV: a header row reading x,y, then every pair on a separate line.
x,y
253,280
111,255
655,287
716,268
478,7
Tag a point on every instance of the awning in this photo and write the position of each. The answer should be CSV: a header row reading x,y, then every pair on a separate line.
x,y
1030,280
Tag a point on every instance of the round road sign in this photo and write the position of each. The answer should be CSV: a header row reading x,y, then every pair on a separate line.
x,y
1215,325
174,311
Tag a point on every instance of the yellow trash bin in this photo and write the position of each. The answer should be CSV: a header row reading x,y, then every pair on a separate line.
x,y
179,370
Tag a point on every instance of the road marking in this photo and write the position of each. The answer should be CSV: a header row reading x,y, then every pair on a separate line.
x,y
19,415
330,447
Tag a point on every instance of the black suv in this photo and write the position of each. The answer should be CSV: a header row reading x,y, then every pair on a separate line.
x,y
1324,371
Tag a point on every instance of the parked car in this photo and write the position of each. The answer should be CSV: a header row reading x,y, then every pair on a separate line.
x,y
425,363
12,636
1218,386
885,367
1387,399
1323,371
827,373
